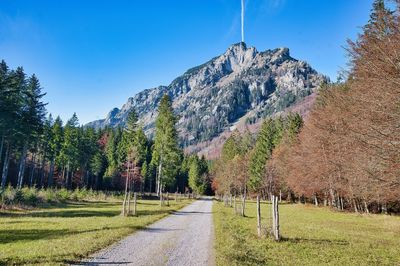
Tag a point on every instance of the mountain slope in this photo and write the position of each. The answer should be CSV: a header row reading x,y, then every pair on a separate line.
x,y
210,98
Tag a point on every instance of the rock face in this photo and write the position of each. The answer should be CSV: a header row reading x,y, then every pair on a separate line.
x,y
241,84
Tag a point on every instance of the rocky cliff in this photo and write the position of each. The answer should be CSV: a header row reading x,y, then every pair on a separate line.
x,y
241,84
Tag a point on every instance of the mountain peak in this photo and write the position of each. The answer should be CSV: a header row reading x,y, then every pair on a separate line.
x,y
241,84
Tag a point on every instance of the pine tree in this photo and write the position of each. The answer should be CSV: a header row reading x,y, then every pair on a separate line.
x,y
262,151
231,147
70,150
131,120
196,181
166,154
56,144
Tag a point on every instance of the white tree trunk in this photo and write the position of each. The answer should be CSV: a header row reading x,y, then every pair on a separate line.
x,y
366,207
126,192
21,170
258,216
159,179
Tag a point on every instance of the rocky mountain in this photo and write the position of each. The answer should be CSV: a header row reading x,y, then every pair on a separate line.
x,y
241,84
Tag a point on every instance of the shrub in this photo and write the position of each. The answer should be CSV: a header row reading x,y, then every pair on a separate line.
x,y
32,196
63,195
48,195
29,196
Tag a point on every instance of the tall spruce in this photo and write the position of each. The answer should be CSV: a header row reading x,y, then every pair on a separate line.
x,y
262,152
166,153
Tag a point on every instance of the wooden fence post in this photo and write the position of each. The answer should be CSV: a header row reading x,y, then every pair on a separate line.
x,y
258,216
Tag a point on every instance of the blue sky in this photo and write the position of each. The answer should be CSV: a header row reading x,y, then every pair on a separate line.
x,y
90,56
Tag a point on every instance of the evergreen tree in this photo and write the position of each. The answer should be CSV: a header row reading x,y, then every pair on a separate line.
x,y
111,151
56,144
70,150
196,180
231,147
166,154
262,151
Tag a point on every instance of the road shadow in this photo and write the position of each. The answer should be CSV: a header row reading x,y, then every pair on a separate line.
x,y
190,213
99,263
157,230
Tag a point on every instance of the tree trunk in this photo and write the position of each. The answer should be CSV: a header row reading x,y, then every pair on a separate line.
x,y
159,179
67,179
258,216
355,206
63,176
167,198
316,200
134,203
366,207
51,173
244,203
32,171
125,196
42,166
341,203
333,199
275,218
129,203
384,208
234,204
5,167
21,170
151,184
1,148
71,177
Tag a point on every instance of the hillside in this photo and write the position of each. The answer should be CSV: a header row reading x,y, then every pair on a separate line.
x,y
241,84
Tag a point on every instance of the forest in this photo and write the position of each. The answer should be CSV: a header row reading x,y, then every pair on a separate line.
x,y
345,153
39,151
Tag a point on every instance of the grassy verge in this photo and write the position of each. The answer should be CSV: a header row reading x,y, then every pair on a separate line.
x,y
311,236
68,232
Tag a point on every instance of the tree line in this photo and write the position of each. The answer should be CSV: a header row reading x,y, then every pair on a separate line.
x,y
37,150
345,154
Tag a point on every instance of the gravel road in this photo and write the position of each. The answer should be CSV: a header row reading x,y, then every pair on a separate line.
x,y
183,238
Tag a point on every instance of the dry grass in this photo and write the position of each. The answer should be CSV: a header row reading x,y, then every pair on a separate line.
x,y
311,236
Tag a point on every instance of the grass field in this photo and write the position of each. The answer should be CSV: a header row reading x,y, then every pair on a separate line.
x,y
311,236
68,232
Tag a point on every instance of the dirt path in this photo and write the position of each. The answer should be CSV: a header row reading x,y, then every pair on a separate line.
x,y
183,238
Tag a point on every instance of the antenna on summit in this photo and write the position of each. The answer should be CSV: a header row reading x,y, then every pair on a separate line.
x,y
242,21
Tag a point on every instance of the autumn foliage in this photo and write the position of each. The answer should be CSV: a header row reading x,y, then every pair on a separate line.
x,y
348,152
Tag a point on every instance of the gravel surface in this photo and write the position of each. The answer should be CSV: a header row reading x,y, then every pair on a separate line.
x,y
183,238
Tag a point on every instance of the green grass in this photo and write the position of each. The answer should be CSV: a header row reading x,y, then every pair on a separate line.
x,y
68,232
311,236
